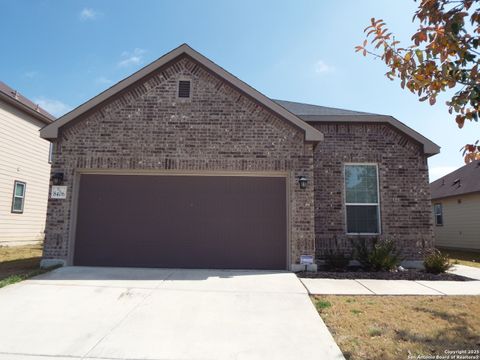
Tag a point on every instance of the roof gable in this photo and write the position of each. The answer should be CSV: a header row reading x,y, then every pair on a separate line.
x,y
465,180
314,114
311,134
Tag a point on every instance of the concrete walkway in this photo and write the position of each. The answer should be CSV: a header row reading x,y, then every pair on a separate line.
x,y
107,313
398,287
467,271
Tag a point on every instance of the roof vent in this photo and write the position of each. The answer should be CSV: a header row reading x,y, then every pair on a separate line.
x,y
184,89
456,182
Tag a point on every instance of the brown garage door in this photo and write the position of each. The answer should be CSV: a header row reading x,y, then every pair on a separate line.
x,y
228,222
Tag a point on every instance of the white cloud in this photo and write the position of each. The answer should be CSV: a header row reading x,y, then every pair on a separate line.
x,y
436,172
322,67
53,106
30,74
102,80
131,58
88,14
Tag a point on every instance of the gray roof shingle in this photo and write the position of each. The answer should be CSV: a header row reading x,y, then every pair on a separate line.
x,y
317,114
315,110
465,180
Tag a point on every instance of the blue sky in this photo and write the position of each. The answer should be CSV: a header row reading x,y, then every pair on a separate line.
x,y
62,53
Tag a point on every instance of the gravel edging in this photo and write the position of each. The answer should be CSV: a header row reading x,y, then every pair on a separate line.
x,y
382,275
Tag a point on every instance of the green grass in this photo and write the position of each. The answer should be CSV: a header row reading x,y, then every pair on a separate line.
x,y
321,305
462,257
375,331
12,279
18,263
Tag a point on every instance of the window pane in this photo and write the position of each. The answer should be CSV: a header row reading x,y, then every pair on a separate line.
x,y
438,220
362,219
361,183
19,189
17,204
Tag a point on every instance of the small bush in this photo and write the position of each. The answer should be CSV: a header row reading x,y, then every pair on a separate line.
x,y
336,261
376,255
335,258
436,262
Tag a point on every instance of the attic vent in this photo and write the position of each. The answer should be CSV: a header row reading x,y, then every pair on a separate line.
x,y
184,89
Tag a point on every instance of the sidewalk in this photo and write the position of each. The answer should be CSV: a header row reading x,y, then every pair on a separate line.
x,y
398,287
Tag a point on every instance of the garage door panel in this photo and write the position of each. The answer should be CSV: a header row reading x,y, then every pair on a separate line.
x,y
181,221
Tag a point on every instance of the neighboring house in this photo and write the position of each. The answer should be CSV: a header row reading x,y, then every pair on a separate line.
x,y
456,208
24,169
184,165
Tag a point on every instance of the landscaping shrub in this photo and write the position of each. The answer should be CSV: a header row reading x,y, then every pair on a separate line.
x,y
436,262
376,255
335,258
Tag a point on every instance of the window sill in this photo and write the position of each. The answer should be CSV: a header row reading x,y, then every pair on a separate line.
x,y
362,234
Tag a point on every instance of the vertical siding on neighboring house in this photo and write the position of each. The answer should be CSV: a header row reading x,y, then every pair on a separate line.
x,y
461,225
23,157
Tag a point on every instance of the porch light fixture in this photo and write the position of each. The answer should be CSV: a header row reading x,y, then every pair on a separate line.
x,y
302,181
57,178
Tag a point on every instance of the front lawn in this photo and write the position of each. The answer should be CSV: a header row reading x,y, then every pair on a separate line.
x,y
19,262
393,327
463,257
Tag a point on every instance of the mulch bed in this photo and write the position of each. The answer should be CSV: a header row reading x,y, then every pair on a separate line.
x,y
382,275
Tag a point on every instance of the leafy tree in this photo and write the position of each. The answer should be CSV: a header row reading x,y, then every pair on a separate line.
x,y
444,54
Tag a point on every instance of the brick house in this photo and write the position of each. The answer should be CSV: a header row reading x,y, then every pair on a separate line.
x,y
184,165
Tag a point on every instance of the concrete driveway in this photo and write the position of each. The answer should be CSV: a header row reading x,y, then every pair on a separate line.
x,y
121,313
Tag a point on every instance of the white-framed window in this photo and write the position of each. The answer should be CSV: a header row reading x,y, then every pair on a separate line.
x,y
438,211
18,200
362,200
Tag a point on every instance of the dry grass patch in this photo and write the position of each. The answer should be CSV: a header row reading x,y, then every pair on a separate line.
x,y
468,258
392,327
19,260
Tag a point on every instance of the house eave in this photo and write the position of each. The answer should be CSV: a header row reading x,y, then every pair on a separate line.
x,y
18,105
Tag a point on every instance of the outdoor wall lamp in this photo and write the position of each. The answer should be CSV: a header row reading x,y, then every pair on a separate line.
x,y
302,181
57,178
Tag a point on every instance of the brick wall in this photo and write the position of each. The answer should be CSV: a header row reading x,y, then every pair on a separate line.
x,y
405,208
148,128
